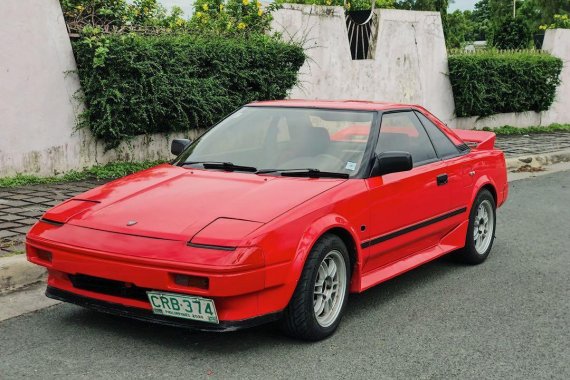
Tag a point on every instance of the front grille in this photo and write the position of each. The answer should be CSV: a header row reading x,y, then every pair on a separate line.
x,y
109,287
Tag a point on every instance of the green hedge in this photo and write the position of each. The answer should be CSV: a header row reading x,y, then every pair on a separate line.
x,y
135,84
493,82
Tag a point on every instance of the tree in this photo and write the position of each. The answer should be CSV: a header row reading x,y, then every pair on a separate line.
x,y
512,33
460,29
549,8
481,18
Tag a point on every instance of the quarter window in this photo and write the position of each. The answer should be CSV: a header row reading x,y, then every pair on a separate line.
x,y
402,131
444,147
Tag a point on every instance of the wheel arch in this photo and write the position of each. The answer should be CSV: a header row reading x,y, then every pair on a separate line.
x,y
330,224
348,240
484,183
491,189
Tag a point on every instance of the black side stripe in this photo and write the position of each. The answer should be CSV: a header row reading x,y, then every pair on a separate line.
x,y
414,227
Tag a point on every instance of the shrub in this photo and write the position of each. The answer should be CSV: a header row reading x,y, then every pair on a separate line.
x,y
513,33
227,17
135,84
114,15
490,82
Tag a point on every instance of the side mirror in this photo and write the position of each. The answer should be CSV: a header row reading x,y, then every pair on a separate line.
x,y
391,162
178,145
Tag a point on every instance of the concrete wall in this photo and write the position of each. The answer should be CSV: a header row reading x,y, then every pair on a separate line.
x,y
37,107
557,42
409,63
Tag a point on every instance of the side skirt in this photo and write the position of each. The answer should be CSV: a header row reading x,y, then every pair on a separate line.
x,y
455,239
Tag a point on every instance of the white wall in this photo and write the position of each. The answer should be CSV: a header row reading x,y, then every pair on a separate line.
x,y
37,107
409,62
557,42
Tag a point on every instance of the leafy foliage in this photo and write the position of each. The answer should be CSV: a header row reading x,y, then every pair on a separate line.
x,y
460,29
513,33
175,82
508,130
560,22
490,82
117,15
231,17
99,172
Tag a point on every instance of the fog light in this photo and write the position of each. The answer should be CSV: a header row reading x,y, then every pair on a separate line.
x,y
191,281
43,255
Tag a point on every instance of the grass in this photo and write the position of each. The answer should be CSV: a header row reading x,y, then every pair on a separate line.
x,y
101,172
508,130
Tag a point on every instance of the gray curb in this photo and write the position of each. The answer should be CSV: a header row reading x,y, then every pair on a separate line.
x,y
538,160
17,272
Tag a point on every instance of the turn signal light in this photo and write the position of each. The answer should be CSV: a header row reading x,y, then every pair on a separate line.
x,y
191,281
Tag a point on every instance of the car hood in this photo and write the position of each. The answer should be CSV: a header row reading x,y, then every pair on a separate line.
x,y
170,202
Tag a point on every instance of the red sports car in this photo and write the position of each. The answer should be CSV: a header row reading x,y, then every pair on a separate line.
x,y
265,217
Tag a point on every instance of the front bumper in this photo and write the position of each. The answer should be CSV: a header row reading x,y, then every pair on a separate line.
x,y
148,316
240,292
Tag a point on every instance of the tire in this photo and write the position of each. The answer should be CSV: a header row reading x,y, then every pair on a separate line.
x,y
477,250
306,316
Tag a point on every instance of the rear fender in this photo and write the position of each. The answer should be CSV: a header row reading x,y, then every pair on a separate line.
x,y
482,181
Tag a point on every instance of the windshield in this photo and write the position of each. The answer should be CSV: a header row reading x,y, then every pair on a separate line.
x,y
265,138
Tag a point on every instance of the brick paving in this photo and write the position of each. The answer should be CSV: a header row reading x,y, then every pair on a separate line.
x,y
21,207
514,146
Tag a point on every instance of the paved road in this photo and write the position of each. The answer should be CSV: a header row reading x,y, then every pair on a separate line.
x,y
508,318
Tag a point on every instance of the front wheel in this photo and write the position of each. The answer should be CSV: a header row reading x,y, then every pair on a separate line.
x,y
316,308
481,230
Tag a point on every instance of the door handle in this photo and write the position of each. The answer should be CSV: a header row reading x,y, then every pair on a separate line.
x,y
441,179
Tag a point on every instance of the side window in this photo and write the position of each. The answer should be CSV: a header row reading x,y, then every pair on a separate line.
x,y
402,131
443,145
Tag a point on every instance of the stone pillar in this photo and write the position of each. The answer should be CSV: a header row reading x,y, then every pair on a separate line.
x,y
557,43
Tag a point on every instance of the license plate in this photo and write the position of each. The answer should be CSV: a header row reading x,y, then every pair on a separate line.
x,y
183,306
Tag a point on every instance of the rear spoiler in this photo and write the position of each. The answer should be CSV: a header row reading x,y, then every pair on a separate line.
x,y
480,140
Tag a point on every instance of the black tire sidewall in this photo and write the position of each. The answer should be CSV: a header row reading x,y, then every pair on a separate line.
x,y
299,320
331,243
470,253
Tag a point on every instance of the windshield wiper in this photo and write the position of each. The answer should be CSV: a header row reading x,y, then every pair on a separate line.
x,y
228,166
308,172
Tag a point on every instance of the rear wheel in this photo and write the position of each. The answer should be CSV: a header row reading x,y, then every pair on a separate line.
x,y
316,308
481,230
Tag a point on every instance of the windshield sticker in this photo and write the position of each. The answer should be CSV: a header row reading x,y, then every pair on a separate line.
x,y
350,165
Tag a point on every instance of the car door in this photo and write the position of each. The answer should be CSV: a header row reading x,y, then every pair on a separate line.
x,y
408,209
459,168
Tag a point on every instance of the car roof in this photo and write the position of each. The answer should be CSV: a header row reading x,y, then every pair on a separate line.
x,y
362,105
